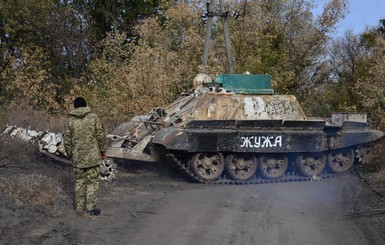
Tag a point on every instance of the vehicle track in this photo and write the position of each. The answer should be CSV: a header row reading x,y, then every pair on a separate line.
x,y
288,177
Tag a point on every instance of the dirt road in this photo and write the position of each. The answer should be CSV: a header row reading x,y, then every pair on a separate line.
x,y
289,213
143,208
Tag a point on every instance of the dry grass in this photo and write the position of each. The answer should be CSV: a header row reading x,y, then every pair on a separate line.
x,y
21,182
3,120
376,180
43,193
16,152
21,161
24,115
376,160
374,171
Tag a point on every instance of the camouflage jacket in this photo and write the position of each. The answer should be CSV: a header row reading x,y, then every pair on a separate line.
x,y
84,138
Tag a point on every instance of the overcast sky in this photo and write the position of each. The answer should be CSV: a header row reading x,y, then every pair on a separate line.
x,y
361,13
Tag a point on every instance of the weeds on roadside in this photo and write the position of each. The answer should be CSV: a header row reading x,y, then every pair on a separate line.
x,y
16,152
2,117
41,192
376,161
24,115
374,170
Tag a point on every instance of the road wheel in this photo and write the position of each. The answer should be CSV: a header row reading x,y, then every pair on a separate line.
x,y
341,160
273,166
241,166
311,164
208,166
108,169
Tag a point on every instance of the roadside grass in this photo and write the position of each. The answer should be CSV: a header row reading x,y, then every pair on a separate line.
x,y
24,176
2,117
15,152
376,160
374,170
24,115
26,179
41,192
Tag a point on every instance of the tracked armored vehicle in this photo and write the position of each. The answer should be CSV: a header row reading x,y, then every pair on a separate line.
x,y
233,129
236,130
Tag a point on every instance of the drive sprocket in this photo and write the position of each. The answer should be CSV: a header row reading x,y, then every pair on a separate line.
x,y
363,153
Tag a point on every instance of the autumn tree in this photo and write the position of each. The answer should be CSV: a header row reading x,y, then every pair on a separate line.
x,y
370,88
354,81
48,37
381,27
135,75
106,16
280,38
284,39
128,57
349,58
67,33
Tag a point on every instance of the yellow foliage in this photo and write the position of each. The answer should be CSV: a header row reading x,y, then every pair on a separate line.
x,y
28,78
371,91
134,76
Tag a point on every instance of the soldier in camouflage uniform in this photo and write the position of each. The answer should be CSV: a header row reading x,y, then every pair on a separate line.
x,y
85,143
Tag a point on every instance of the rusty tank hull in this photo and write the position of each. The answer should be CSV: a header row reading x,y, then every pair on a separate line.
x,y
236,130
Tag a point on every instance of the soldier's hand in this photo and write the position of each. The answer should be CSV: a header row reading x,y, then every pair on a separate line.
x,y
103,155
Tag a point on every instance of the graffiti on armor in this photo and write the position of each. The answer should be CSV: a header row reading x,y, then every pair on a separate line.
x,y
273,107
261,141
279,107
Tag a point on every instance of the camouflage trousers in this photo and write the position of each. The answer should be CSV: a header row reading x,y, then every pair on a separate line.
x,y
86,188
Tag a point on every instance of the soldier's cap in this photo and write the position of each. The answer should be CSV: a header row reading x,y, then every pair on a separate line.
x,y
80,102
